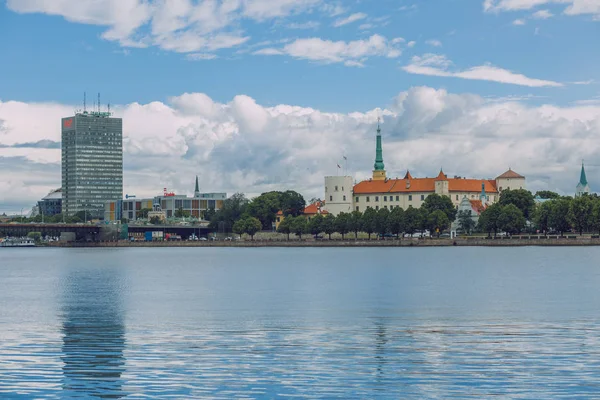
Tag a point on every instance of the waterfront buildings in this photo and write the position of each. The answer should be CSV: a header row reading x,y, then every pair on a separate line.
x,y
168,204
582,187
382,192
92,162
51,204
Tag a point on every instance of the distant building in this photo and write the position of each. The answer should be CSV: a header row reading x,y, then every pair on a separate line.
x,y
51,204
382,192
338,194
168,204
582,187
473,207
92,162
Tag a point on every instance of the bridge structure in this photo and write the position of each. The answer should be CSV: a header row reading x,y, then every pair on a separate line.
x,y
81,231
100,232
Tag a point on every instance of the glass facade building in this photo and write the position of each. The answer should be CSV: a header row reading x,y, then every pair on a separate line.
x,y
92,162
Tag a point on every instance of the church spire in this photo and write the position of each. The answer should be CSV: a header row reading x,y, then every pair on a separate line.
x,y
379,167
583,179
197,188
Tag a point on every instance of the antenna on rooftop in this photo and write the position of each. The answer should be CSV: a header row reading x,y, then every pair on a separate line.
x,y
84,101
109,107
98,101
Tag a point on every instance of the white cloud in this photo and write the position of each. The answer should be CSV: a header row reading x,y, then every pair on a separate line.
x,y
438,65
434,43
243,146
542,14
174,25
519,22
305,25
574,7
352,53
349,19
364,27
200,56
412,43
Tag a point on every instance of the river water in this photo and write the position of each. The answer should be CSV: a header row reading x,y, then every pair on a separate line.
x,y
222,323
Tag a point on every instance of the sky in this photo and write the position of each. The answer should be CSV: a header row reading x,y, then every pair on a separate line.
x,y
259,95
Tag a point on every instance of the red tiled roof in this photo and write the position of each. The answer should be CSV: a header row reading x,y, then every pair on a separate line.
x,y
315,208
471,185
511,174
423,185
441,176
477,206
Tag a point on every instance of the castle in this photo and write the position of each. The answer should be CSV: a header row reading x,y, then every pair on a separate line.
x,y
342,195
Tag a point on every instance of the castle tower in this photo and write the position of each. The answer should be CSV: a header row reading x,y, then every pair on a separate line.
x,y
483,196
582,187
197,188
379,167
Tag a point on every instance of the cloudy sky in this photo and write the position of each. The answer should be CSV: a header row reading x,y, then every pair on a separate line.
x,y
255,95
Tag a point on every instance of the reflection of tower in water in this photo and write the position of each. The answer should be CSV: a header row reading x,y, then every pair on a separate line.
x,y
94,334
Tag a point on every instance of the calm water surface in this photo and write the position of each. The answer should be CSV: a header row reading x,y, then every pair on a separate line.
x,y
304,323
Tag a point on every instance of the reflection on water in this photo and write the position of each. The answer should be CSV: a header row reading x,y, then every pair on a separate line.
x,y
282,323
93,334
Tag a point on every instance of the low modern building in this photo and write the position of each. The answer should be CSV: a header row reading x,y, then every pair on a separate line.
x,y
133,209
382,192
51,204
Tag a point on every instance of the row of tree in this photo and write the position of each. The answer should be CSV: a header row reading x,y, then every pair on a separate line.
x,y
435,215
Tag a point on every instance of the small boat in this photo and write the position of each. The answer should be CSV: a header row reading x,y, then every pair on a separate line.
x,y
14,242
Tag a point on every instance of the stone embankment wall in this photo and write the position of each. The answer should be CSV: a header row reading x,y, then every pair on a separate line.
x,y
502,242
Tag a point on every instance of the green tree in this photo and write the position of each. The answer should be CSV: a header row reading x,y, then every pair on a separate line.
x,y
381,222
251,226
329,225
558,215
521,198
124,220
412,220
595,216
488,220
547,194
396,222
435,202
143,213
466,222
511,219
285,226
368,221
355,223
265,208
181,213
239,227
155,221
232,210
541,216
292,203
438,221
342,224
580,211
299,226
315,224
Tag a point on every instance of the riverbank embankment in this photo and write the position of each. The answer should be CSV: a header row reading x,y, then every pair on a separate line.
x,y
487,242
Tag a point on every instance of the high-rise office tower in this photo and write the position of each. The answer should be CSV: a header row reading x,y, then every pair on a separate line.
x,y
92,162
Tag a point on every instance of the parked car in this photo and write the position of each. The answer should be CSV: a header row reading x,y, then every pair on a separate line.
x,y
203,239
228,238
445,235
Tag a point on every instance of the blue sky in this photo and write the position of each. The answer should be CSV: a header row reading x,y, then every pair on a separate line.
x,y
257,95
51,58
